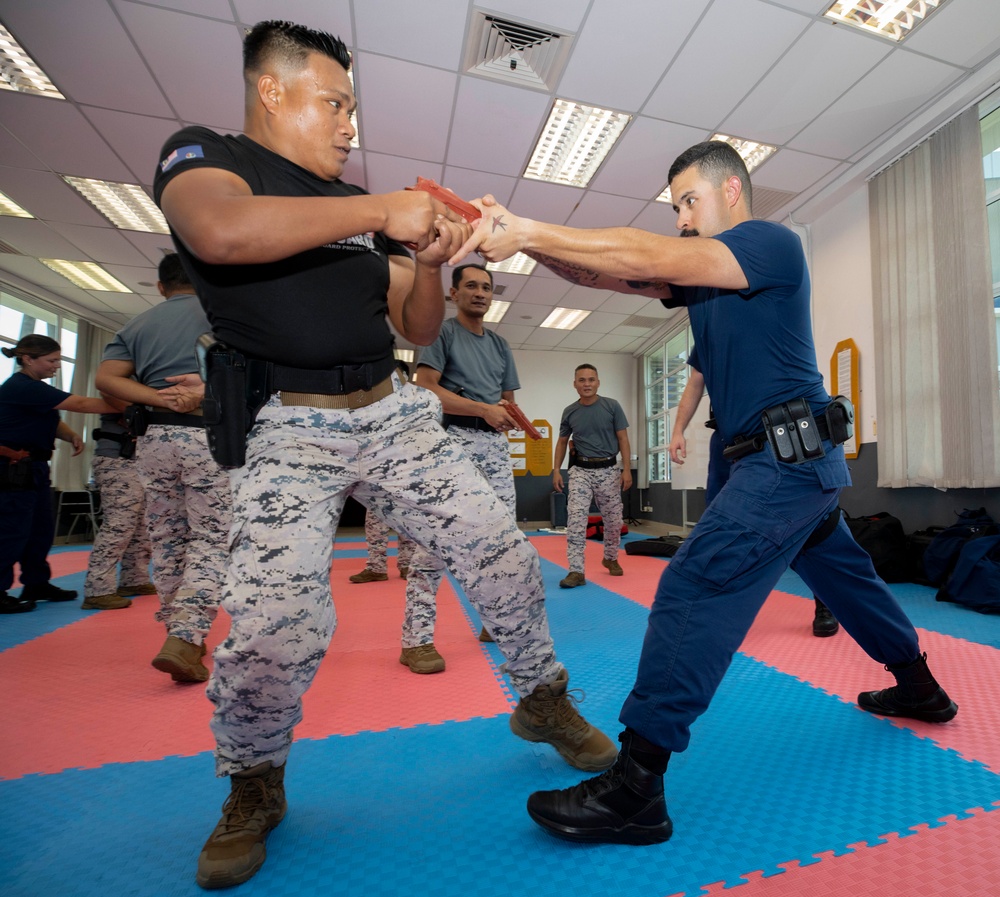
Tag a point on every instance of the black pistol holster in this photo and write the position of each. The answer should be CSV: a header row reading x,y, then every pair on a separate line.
x,y
235,390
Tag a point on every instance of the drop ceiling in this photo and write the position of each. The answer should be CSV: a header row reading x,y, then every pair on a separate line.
x,y
838,103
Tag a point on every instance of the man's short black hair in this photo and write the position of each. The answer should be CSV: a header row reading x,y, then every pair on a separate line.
x,y
716,160
171,272
288,43
585,366
456,275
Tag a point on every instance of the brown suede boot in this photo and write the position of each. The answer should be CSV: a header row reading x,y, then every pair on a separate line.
x,y
235,851
549,714
182,660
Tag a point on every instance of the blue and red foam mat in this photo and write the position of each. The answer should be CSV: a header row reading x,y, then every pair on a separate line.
x,y
401,784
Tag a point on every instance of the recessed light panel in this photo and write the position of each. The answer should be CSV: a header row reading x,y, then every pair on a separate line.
x,y
18,71
565,318
87,275
9,207
498,308
125,205
891,19
518,263
575,141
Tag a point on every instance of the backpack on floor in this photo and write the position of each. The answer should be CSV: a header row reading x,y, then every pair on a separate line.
x,y
916,545
595,527
942,554
882,536
661,546
975,578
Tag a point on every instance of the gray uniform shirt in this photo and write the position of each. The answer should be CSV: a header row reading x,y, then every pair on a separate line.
x,y
594,428
483,366
160,342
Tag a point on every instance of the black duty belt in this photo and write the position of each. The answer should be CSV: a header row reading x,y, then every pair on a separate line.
x,y
595,463
336,381
747,445
173,419
33,453
466,423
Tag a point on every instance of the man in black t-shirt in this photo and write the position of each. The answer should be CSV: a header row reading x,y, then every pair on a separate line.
x,y
299,270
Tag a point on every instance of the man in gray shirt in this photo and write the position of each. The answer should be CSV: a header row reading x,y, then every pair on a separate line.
x,y
471,370
188,504
599,430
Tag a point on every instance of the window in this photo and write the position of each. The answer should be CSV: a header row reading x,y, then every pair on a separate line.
x,y
665,376
19,317
989,124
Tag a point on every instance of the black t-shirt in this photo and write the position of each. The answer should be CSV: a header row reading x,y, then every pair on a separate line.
x,y
318,309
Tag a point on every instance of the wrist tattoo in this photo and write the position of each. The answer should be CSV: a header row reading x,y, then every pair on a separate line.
x,y
498,222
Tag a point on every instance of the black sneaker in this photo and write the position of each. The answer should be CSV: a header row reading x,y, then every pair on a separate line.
x,y
11,604
45,591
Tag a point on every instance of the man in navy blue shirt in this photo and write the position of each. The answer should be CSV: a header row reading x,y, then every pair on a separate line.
x,y
746,288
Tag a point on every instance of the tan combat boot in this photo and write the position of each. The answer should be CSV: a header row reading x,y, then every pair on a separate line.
x,y
235,851
182,660
549,714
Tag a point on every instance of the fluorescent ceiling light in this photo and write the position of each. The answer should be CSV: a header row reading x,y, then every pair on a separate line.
x,y
9,207
354,115
498,308
403,355
891,19
125,205
518,263
564,318
18,71
574,143
86,275
751,152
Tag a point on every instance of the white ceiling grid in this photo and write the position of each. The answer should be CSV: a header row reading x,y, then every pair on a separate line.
x,y
837,102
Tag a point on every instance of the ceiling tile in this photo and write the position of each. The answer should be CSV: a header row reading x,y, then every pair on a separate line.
x,y
897,87
495,126
960,33
545,336
88,32
558,15
212,56
471,184
806,80
605,210
333,16
639,164
791,170
104,245
601,322
405,108
699,92
585,297
389,173
553,203
541,291
647,38
389,27
48,197
60,136
37,239
137,139
579,339
657,217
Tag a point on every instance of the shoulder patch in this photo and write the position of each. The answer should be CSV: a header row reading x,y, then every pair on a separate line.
x,y
180,155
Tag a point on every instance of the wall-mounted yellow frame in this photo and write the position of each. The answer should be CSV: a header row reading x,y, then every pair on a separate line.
x,y
844,380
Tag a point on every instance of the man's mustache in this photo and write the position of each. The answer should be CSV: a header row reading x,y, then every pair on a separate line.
x,y
689,232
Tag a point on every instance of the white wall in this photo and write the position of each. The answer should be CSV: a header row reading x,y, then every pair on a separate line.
x,y
840,264
547,383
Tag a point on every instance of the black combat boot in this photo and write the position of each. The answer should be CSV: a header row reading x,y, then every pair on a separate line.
x,y
916,695
824,623
624,805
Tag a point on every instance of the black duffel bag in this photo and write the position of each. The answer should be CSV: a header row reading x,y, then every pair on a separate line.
x,y
882,536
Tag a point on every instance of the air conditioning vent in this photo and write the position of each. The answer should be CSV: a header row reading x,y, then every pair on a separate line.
x,y
766,201
498,289
646,323
515,52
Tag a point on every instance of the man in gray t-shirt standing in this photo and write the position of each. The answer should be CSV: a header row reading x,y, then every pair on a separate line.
x,y
599,430
471,370
188,505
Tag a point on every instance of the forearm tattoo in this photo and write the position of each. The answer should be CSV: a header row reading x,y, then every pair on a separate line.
x,y
573,273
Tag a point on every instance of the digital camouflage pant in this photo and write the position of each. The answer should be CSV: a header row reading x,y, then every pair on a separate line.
x,y
377,537
603,486
122,536
490,452
188,513
302,464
